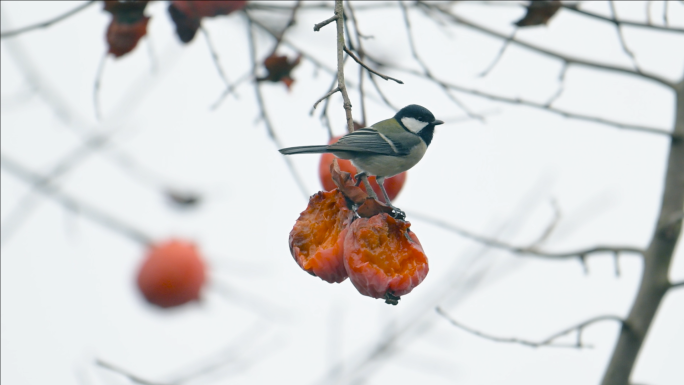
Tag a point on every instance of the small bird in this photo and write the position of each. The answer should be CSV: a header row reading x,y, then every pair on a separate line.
x,y
385,149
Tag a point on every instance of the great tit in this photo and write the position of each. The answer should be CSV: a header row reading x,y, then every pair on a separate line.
x,y
385,149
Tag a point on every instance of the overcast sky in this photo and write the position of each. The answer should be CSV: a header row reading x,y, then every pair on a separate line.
x,y
68,293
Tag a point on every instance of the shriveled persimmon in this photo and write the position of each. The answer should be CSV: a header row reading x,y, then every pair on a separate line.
x,y
172,273
127,27
393,185
383,258
317,238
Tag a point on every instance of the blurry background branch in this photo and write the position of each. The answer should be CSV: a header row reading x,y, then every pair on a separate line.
x,y
547,342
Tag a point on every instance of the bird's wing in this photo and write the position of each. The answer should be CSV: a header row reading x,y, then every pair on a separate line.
x,y
372,142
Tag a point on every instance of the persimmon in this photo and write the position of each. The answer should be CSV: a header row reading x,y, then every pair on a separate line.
x,y
127,27
393,185
383,258
187,15
122,38
172,273
317,238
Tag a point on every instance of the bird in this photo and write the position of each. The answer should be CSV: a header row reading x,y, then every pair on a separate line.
x,y
386,148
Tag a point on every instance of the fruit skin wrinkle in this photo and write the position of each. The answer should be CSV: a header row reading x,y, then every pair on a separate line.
x,y
380,259
317,238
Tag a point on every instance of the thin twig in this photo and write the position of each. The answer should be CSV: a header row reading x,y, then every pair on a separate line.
x,y
356,59
526,250
676,285
624,22
621,36
561,86
230,89
547,342
665,19
96,87
323,23
426,70
214,56
543,106
336,89
339,13
46,23
549,52
499,55
362,55
127,374
264,114
382,94
72,203
289,24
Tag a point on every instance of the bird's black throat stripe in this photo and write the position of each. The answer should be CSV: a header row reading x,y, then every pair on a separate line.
x,y
426,133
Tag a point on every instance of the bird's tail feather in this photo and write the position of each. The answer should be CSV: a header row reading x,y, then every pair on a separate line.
x,y
304,150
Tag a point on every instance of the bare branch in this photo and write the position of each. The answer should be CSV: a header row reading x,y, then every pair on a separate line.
x,y
561,86
324,97
547,342
426,70
264,114
382,94
676,285
323,23
46,23
71,203
215,57
362,54
339,13
658,257
548,52
356,59
127,374
499,55
621,36
527,250
544,106
624,22
96,87
289,24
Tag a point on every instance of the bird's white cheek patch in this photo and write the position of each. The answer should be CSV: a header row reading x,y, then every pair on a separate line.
x,y
412,124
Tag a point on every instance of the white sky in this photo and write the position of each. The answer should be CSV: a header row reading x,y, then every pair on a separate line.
x,y
68,293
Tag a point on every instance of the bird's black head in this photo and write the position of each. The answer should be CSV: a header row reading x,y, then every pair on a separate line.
x,y
418,120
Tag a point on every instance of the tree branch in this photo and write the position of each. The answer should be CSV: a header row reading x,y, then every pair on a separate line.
x,y
356,59
541,106
127,374
621,36
264,114
46,23
570,59
535,344
527,250
621,22
336,89
323,23
426,70
657,258
71,203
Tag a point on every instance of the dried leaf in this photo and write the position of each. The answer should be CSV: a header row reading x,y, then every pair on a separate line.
x,y
345,183
127,27
279,68
187,15
539,12
372,207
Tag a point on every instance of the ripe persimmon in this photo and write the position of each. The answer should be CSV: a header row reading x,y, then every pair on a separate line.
x,y
317,238
172,273
383,258
393,185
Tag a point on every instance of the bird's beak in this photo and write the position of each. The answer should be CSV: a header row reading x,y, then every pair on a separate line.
x,y
437,122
